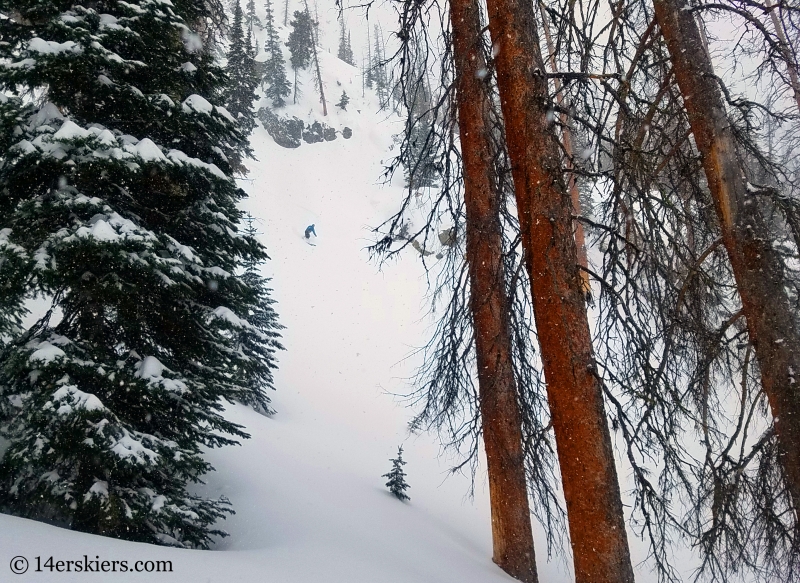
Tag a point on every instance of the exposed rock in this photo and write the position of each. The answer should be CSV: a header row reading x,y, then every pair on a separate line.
x,y
292,132
285,132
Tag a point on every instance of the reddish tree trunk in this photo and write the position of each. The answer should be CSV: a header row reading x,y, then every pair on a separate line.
x,y
757,267
502,433
591,489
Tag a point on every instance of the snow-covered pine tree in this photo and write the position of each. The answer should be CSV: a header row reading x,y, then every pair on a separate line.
x,y
343,101
277,85
241,73
378,70
118,205
299,44
345,49
397,477
258,336
420,160
251,18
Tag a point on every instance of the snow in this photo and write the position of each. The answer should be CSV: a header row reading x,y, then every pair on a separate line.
x,y
77,399
46,353
128,447
197,103
70,131
48,47
149,367
227,314
147,150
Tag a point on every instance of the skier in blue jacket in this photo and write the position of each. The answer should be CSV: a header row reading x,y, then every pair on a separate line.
x,y
309,230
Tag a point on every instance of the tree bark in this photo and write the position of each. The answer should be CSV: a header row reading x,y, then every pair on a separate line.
x,y
566,141
500,417
757,268
591,489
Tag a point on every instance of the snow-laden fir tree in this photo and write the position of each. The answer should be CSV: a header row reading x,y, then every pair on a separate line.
x,y
378,70
420,160
397,477
258,336
118,205
251,20
300,44
277,85
345,48
343,101
241,74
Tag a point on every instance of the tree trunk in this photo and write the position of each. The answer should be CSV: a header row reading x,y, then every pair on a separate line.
x,y
758,269
566,141
502,433
591,489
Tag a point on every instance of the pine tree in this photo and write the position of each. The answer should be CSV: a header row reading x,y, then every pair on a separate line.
x,y
299,44
241,72
369,75
420,164
278,87
343,101
258,337
397,477
119,206
251,18
345,50
378,70
315,56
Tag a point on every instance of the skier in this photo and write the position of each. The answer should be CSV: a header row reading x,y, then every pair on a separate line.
x,y
309,230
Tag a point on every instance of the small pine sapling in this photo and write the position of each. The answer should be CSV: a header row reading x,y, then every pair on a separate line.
x,y
343,102
397,477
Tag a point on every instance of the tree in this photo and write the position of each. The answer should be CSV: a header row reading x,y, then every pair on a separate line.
x,y
241,72
345,49
258,334
757,266
122,163
500,416
251,18
278,87
318,78
397,477
299,43
343,101
378,70
591,488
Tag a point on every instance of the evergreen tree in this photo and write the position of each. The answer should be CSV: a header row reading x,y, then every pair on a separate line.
x,y
300,40
258,337
345,50
251,18
369,76
118,204
378,70
397,477
278,86
343,101
420,162
241,72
